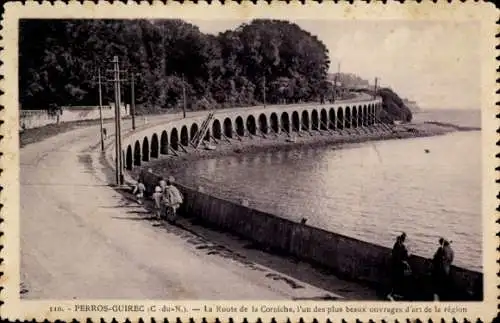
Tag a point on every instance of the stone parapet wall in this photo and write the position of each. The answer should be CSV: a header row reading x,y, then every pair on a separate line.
x,y
348,258
29,119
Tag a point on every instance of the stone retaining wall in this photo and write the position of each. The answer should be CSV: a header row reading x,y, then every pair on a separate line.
x,y
346,257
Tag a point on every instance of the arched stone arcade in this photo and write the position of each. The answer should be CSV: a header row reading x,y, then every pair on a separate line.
x,y
158,142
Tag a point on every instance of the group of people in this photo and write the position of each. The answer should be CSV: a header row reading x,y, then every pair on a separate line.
x,y
440,271
166,197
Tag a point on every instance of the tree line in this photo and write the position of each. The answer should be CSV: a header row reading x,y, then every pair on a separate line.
x,y
59,61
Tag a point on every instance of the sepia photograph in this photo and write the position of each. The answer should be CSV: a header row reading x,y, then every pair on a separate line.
x,y
251,158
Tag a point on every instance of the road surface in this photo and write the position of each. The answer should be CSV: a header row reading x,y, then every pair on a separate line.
x,y
80,239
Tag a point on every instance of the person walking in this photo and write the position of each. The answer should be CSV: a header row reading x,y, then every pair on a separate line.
x,y
400,268
157,198
139,190
172,199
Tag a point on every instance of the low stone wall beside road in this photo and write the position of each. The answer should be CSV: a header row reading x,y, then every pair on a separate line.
x,y
29,119
348,258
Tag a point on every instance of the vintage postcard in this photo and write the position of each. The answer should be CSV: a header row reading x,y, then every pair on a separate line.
x,y
249,161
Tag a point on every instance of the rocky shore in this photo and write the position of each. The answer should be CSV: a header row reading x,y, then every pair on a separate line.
x,y
283,142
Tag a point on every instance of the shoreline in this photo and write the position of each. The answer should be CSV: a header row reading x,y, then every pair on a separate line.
x,y
281,142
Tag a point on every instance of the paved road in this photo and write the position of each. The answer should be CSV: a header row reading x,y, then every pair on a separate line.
x,y
81,239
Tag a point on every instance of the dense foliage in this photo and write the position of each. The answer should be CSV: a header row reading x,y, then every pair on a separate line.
x,y
59,61
393,107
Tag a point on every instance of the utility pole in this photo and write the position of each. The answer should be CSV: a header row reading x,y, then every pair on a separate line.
x,y
264,91
375,90
100,107
118,135
184,97
335,80
132,100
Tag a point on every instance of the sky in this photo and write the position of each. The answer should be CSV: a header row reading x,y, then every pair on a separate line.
x,y
433,63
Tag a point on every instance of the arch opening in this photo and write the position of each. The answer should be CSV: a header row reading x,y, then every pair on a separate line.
x,y
207,135
174,139
305,120
295,121
137,153
251,126
193,131
360,117
184,136
324,119
315,120
263,123
164,143
154,146
347,120
275,126
228,128
332,124
240,127
145,149
129,159
372,115
354,121
216,129
340,119
285,122
365,115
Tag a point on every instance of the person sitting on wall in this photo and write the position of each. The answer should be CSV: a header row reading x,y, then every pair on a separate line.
x,y
172,198
400,267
